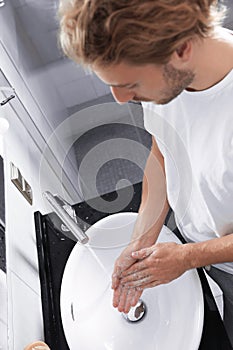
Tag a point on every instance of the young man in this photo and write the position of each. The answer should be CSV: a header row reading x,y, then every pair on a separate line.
x,y
175,58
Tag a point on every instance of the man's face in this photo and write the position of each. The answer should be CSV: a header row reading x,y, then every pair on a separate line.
x,y
150,83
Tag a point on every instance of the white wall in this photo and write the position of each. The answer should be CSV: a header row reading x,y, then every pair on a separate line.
x,y
33,116
37,98
3,313
51,109
24,302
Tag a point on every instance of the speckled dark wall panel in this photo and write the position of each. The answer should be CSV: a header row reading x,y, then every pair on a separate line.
x,y
113,170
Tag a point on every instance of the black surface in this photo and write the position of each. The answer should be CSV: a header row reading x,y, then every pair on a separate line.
x,y
53,251
214,336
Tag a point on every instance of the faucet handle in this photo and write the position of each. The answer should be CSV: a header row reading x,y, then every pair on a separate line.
x,y
67,215
68,208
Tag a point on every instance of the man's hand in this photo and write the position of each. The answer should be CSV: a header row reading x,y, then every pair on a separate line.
x,y
124,298
158,264
152,213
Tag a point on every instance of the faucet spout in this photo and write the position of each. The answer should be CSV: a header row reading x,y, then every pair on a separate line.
x,y
65,216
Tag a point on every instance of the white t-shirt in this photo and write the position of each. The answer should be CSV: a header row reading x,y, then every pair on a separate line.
x,y
194,133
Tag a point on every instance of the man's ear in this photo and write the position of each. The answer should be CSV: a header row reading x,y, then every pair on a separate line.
x,y
182,54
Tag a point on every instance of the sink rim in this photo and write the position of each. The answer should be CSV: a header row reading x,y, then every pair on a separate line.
x,y
105,222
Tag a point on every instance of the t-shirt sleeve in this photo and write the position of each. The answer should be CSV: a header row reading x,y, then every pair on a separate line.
x,y
153,123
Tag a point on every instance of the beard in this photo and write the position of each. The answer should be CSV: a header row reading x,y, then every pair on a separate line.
x,y
176,82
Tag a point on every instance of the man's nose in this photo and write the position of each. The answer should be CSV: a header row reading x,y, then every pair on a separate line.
x,y
121,95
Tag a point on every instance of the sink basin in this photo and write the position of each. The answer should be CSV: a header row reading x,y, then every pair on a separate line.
x,y
175,311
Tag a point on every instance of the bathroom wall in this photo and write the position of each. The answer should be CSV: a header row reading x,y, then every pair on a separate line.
x,y
40,101
3,294
22,145
33,116
23,310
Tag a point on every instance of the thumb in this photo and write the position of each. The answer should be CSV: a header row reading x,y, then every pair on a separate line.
x,y
142,253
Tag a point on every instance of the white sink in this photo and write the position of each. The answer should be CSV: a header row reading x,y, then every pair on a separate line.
x,y
175,311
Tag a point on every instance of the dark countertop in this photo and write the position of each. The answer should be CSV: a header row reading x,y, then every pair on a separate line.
x,y
53,251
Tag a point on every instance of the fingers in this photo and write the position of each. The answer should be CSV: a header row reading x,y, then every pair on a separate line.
x,y
124,261
128,301
137,295
142,253
136,267
152,284
125,298
116,277
132,299
117,296
137,279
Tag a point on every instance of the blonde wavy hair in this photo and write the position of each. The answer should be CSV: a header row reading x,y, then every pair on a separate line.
x,y
106,32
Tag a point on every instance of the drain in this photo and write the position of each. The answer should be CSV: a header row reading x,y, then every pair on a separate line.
x,y
136,313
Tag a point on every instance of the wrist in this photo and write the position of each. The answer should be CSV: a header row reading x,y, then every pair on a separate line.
x,y
145,231
145,239
196,255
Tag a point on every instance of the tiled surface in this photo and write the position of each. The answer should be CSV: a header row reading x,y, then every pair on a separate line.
x,y
114,152
110,151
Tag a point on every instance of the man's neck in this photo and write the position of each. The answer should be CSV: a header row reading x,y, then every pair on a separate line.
x,y
213,60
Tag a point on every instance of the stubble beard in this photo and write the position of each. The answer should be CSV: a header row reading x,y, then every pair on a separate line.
x,y
177,81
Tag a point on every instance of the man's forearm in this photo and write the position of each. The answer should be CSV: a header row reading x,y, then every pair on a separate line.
x,y
154,205
149,222
214,251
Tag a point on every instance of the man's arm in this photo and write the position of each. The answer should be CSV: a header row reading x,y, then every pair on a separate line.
x,y
214,251
154,206
152,213
163,262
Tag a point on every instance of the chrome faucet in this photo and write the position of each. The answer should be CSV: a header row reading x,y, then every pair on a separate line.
x,y
67,215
